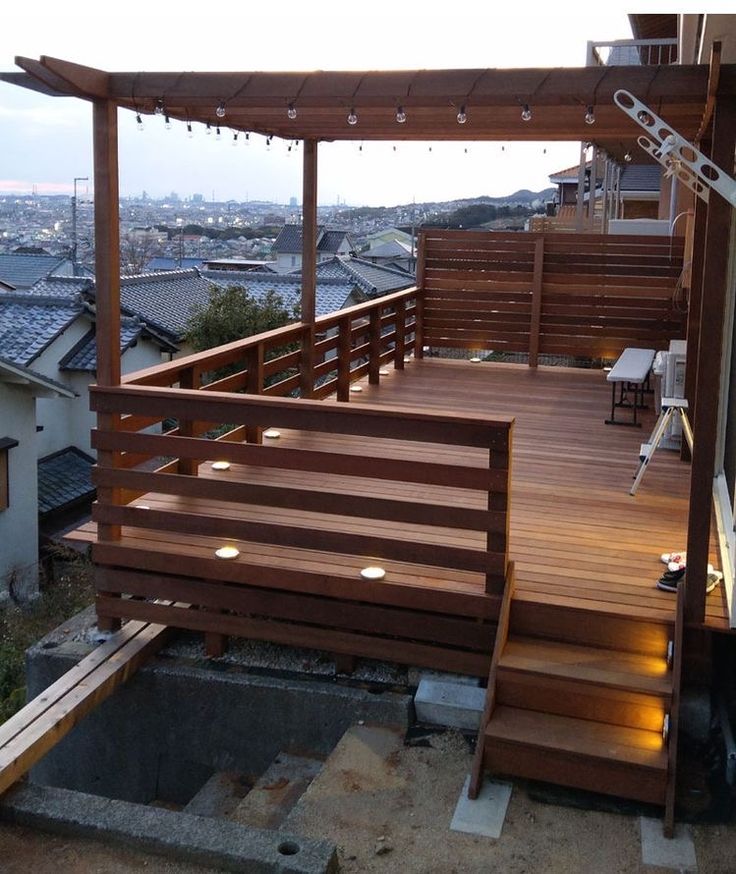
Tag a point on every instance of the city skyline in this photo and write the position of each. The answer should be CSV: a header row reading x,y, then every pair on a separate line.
x,y
47,141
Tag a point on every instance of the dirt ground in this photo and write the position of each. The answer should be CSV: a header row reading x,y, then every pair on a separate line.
x,y
396,819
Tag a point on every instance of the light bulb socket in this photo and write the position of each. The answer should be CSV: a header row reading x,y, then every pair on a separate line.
x,y
167,122
190,133
400,115
217,132
159,108
589,115
220,111
526,113
139,120
208,129
462,115
291,112
352,116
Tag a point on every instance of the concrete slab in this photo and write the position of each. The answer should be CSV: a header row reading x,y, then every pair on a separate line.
x,y
416,675
216,843
677,852
276,791
484,816
220,795
450,704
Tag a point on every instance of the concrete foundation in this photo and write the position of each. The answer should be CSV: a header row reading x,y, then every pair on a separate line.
x,y
179,720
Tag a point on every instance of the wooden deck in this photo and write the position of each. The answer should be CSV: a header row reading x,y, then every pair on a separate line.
x,y
578,539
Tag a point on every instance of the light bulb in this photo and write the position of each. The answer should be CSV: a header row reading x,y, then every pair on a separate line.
x,y
352,116
235,138
291,111
268,144
627,157
159,109
139,120
590,116
167,122
526,113
208,129
218,135
400,115
462,116
247,138
220,111
190,133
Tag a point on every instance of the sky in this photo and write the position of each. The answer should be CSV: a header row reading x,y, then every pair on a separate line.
x,y
45,142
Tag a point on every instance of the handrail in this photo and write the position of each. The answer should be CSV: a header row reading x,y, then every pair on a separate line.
x,y
669,808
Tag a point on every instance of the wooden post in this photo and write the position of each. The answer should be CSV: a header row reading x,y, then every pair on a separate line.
x,y
344,350
592,187
579,209
419,317
188,379
309,265
254,386
499,501
400,325
374,339
708,379
693,315
536,301
107,279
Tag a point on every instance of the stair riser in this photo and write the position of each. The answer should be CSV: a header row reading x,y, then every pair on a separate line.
x,y
587,628
580,700
578,772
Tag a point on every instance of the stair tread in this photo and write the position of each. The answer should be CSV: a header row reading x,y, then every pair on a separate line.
x,y
630,746
616,668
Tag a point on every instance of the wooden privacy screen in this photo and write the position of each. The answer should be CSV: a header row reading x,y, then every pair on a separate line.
x,y
425,496
584,295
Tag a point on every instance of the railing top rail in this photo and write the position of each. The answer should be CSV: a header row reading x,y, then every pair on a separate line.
x,y
661,41
285,334
364,419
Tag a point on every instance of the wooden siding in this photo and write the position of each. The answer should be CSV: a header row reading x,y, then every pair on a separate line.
x,y
582,295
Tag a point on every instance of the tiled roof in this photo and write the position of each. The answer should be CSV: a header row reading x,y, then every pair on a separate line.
x,y
641,177
331,294
64,478
289,240
67,287
83,356
22,271
28,323
34,378
161,263
370,278
391,249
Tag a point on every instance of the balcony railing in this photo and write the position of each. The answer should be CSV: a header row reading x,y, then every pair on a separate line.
x,y
632,52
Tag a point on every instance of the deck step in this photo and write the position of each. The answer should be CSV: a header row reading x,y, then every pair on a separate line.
x,y
619,688
616,760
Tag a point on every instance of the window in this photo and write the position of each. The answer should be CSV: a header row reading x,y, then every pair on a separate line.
x,y
6,443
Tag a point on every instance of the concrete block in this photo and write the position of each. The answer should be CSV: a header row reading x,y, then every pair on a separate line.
x,y
677,853
486,814
449,704
216,843
276,791
219,796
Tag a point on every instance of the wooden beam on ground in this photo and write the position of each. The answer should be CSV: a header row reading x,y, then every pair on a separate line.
x,y
26,737
708,380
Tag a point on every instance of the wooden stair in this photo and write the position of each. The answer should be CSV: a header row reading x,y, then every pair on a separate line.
x,y
581,703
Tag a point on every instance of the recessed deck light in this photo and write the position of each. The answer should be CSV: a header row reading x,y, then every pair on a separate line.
x,y
142,507
383,372
220,465
373,573
356,389
272,434
227,552
475,360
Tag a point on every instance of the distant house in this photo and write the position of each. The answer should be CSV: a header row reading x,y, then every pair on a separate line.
x,y
393,253
160,263
371,279
287,247
21,271
20,389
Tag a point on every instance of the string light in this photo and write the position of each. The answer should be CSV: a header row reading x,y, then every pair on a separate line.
x,y
400,115
167,122
352,116
218,135
589,115
235,138
208,130
627,157
462,115
159,108
291,111
190,133
247,138
526,113
139,120
220,111
360,147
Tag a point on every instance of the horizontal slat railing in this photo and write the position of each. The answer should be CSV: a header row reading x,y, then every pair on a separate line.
x,y
585,295
371,498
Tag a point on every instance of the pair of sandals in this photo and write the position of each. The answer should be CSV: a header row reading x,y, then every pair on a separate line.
x,y
676,565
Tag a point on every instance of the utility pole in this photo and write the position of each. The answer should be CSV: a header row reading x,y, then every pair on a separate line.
x,y
74,222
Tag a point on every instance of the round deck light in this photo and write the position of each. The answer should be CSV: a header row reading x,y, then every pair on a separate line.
x,y
356,389
475,360
383,372
272,434
142,507
373,573
220,465
227,552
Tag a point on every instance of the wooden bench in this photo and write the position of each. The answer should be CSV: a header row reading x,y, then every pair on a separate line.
x,y
631,373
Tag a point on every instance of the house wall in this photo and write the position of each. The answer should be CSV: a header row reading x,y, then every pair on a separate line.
x,y
19,522
70,422
636,209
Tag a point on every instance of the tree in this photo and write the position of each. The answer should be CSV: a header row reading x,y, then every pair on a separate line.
x,y
232,314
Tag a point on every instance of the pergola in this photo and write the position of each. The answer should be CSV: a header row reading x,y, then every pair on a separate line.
x,y
478,104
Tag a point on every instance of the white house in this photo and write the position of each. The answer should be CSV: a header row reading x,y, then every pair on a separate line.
x,y
287,247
